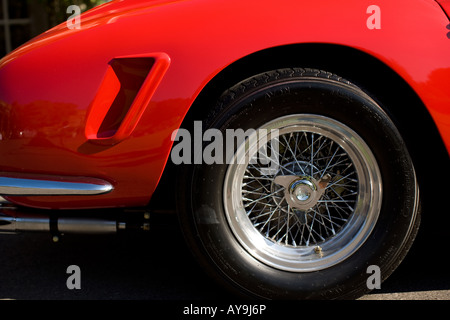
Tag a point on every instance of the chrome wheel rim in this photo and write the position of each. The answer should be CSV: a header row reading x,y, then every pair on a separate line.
x,y
316,206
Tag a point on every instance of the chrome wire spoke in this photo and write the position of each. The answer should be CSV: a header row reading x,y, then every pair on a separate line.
x,y
301,153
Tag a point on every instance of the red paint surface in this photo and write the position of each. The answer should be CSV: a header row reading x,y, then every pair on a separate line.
x,y
48,86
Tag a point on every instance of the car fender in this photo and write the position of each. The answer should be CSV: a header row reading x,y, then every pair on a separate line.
x,y
49,86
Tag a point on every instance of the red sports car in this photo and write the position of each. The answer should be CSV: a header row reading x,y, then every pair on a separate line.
x,y
291,136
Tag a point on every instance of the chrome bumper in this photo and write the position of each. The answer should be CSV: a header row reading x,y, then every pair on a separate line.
x,y
38,185
17,219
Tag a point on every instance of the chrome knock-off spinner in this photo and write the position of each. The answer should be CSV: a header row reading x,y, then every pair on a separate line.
x,y
302,192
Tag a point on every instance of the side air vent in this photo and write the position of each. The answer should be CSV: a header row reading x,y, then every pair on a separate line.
x,y
123,96
131,74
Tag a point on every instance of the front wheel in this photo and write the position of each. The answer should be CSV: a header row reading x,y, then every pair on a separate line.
x,y
320,188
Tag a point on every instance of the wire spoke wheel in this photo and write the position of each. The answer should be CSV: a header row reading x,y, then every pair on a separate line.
x,y
316,203
319,186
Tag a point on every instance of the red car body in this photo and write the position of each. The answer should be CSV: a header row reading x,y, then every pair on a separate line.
x,y
57,90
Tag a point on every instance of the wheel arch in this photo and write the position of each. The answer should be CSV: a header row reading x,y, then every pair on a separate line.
x,y
352,64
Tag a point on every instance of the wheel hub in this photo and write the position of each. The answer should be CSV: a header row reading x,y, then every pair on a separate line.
x,y
302,192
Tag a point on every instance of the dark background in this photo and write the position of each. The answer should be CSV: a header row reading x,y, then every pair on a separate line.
x,y
21,20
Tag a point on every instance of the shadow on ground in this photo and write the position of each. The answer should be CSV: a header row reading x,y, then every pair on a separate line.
x,y
151,266
158,266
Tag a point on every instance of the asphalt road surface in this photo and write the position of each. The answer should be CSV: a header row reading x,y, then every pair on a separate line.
x,y
158,266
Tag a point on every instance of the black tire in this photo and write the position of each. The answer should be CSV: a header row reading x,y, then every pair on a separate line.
x,y
252,104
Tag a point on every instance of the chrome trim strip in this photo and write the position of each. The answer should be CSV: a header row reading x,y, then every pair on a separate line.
x,y
33,187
